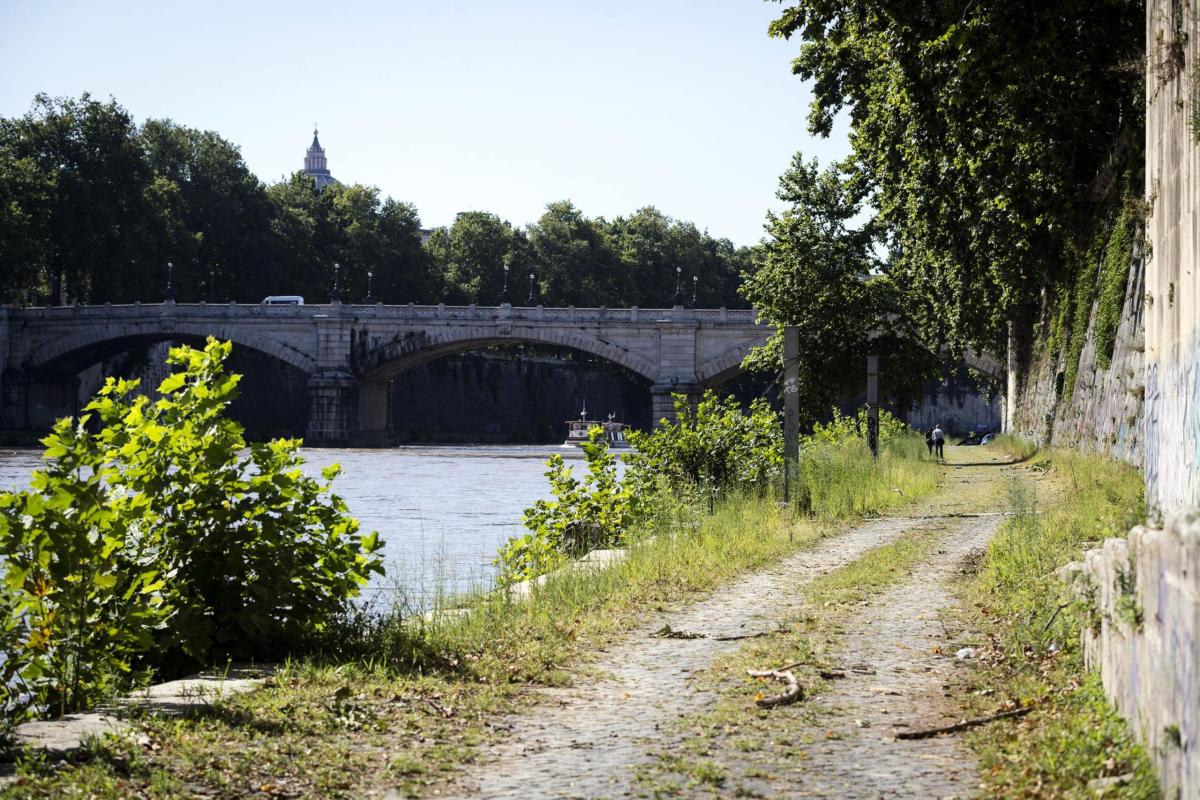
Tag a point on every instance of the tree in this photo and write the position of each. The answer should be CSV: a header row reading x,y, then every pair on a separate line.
x,y
652,246
303,263
216,212
978,130
574,260
348,225
84,191
478,247
26,198
818,271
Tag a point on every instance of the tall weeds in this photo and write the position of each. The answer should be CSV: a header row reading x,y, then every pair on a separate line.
x,y
677,550
841,480
1074,735
1094,498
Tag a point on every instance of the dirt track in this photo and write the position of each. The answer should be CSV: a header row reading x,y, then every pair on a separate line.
x,y
584,742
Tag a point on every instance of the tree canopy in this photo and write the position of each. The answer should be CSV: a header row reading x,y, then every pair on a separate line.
x,y
980,134
820,271
93,207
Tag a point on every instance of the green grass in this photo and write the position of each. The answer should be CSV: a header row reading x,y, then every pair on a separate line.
x,y
843,482
1017,447
1073,735
404,702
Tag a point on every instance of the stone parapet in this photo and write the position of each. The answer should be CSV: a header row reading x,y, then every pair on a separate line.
x,y
1145,640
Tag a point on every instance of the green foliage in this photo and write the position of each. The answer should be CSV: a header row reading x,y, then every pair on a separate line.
x,y
1114,275
158,540
1098,280
712,448
840,480
600,507
92,207
79,565
1074,734
819,273
844,428
1100,499
259,554
979,156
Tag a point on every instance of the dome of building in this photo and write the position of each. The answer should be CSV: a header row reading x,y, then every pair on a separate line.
x,y
315,165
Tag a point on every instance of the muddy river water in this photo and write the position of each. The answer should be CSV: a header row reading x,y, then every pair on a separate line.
x,y
442,511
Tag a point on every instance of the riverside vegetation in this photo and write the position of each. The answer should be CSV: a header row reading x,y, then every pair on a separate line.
x,y
1063,503
370,698
153,543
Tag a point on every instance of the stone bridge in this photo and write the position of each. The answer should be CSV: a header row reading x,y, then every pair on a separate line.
x,y
351,353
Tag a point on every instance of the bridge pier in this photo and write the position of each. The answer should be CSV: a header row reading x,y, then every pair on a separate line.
x,y
31,404
346,412
374,423
662,400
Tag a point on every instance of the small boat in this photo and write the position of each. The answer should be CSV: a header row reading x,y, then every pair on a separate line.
x,y
578,430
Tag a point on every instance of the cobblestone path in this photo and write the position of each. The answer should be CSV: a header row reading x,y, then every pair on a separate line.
x,y
580,742
586,741
851,750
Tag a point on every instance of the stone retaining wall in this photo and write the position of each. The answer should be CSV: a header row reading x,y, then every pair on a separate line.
x,y
1147,643
1104,413
1147,586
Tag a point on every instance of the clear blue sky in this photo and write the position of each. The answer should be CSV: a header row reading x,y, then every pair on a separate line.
x,y
455,105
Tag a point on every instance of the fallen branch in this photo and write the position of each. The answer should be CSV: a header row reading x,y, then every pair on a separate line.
x,y
741,636
790,695
1053,617
964,725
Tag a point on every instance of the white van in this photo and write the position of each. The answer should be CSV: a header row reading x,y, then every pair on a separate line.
x,y
283,300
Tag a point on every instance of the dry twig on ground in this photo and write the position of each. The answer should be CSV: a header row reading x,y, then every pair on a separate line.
x,y
790,695
964,725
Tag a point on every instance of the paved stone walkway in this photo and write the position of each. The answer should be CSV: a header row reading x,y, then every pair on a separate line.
x,y
854,721
586,741
582,741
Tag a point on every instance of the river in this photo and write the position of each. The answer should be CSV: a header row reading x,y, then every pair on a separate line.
x,y
442,511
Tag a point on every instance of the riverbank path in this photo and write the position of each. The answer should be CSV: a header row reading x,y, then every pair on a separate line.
x,y
588,741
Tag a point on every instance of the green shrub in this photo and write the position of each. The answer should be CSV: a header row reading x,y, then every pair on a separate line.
x,y
260,556
844,428
157,540
600,508
14,706
713,448
84,587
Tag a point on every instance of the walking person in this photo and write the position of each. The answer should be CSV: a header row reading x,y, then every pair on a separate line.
x,y
939,441
929,442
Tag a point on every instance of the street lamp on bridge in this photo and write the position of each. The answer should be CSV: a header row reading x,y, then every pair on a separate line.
x,y
529,302
678,286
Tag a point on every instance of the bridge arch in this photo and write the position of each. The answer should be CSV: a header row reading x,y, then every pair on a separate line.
x,y
379,361
725,366
70,354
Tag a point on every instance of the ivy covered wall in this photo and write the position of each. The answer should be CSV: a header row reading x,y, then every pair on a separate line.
x,y
1083,383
